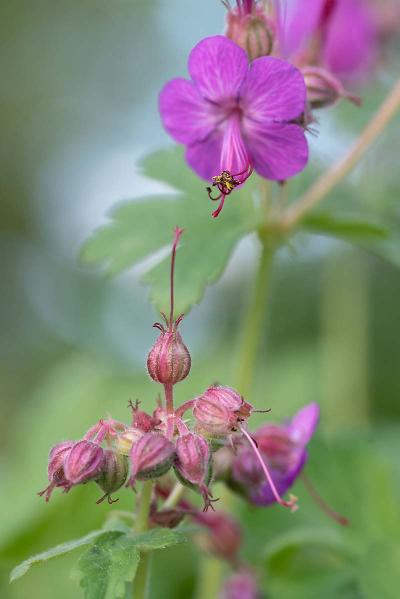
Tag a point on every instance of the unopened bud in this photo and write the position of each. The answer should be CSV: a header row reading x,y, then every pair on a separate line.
x,y
113,474
223,536
251,29
168,518
193,464
84,462
55,468
241,585
220,410
151,456
126,439
323,89
169,359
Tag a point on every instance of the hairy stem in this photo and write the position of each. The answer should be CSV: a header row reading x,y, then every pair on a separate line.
x,y
141,582
328,180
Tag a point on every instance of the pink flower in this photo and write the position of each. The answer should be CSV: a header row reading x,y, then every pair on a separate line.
x,y
283,450
234,117
340,35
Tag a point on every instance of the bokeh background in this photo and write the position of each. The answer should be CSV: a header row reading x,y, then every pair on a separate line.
x,y
78,108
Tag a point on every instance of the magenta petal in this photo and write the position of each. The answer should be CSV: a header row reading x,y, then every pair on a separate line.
x,y
218,66
277,151
204,156
274,90
351,42
304,423
185,114
296,23
262,494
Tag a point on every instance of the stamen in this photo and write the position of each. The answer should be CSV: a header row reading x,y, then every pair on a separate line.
x,y
292,503
322,503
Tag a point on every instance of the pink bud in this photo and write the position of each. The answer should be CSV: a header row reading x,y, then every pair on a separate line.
x,y
249,27
168,518
223,536
241,585
220,410
113,474
84,462
193,464
55,468
324,89
169,359
151,456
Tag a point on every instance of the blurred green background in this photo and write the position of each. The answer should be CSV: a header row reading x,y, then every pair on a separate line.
x,y
78,108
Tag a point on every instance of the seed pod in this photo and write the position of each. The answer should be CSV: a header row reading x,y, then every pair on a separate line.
x,y
169,359
251,29
55,468
84,462
113,474
150,457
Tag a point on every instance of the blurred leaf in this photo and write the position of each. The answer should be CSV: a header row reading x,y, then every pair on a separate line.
x,y
379,577
158,538
347,227
107,565
141,227
23,568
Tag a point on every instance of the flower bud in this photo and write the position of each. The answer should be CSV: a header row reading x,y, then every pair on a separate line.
x,y
241,585
223,536
168,518
125,440
169,359
151,456
250,28
113,474
323,89
84,462
55,468
193,464
220,410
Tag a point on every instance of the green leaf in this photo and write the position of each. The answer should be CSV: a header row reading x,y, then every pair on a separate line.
x,y
105,568
140,228
158,538
23,568
346,227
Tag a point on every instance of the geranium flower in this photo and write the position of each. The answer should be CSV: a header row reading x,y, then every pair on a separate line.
x,y
234,117
283,450
340,35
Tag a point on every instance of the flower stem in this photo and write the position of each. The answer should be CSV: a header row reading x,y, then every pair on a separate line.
x,y
254,321
328,180
141,582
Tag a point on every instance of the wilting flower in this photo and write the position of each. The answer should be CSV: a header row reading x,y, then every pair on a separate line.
x,y
283,450
234,117
241,585
340,35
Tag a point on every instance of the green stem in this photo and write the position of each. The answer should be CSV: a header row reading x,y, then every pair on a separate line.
x,y
141,582
254,322
212,569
